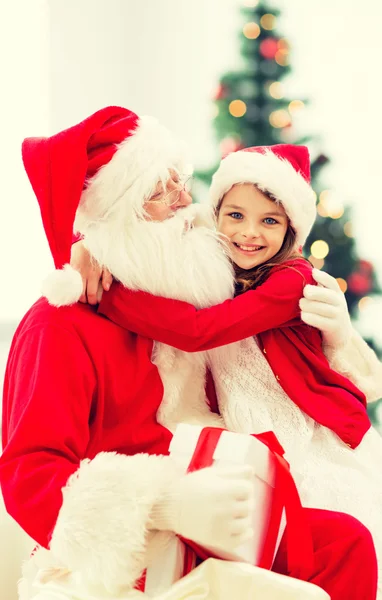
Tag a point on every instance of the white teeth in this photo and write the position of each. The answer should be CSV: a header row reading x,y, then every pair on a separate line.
x,y
249,248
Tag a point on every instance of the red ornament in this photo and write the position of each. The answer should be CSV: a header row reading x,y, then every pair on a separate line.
x,y
269,47
221,92
359,283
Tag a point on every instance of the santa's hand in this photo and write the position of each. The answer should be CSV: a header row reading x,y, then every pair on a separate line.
x,y
212,507
94,278
324,306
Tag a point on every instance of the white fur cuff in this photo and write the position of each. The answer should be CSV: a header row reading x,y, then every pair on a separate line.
x,y
101,530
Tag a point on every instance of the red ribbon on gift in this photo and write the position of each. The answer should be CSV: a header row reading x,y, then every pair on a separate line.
x,y
299,539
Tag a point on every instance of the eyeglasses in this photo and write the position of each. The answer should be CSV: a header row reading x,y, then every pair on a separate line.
x,y
173,197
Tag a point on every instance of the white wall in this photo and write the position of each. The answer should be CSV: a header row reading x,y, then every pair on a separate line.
x,y
157,57
164,57
24,104
25,110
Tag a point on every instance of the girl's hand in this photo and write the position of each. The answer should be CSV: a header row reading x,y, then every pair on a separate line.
x,y
324,306
95,279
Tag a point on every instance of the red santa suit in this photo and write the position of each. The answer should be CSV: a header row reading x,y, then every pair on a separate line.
x,y
83,460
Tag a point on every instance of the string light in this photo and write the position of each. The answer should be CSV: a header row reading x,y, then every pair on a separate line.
x,y
342,283
237,108
251,30
348,229
279,118
319,249
268,22
295,106
318,263
276,90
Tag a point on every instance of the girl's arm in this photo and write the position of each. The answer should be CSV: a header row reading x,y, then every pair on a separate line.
x,y
273,304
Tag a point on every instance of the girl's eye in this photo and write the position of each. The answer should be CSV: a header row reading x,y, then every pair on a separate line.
x,y
269,221
236,215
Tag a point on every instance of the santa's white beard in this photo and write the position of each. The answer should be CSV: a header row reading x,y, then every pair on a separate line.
x,y
181,258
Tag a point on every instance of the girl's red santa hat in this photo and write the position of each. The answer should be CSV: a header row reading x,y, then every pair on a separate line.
x,y
101,170
283,171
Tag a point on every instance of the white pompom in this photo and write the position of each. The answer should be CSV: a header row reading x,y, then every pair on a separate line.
x,y
63,287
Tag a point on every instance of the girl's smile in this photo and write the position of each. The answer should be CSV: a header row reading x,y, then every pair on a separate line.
x,y
248,249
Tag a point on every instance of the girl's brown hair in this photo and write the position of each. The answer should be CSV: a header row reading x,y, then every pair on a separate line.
x,y
251,279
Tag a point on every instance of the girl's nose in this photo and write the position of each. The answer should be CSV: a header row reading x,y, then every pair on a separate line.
x,y
251,231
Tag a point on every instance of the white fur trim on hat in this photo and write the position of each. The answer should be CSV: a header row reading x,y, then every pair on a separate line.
x,y
120,188
63,286
273,175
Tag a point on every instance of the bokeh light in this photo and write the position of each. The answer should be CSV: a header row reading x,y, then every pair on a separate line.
x,y
365,303
282,57
251,30
321,210
319,249
276,90
330,204
268,22
279,118
342,283
237,108
318,263
296,106
348,229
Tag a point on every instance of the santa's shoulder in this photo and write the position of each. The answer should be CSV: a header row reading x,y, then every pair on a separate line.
x,y
76,318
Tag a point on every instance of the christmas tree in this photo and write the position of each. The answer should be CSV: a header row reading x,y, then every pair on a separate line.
x,y
251,109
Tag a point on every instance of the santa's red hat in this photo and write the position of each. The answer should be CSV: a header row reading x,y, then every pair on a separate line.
x,y
283,171
102,168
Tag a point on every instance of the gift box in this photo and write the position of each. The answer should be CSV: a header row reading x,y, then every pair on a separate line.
x,y
276,498
175,561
